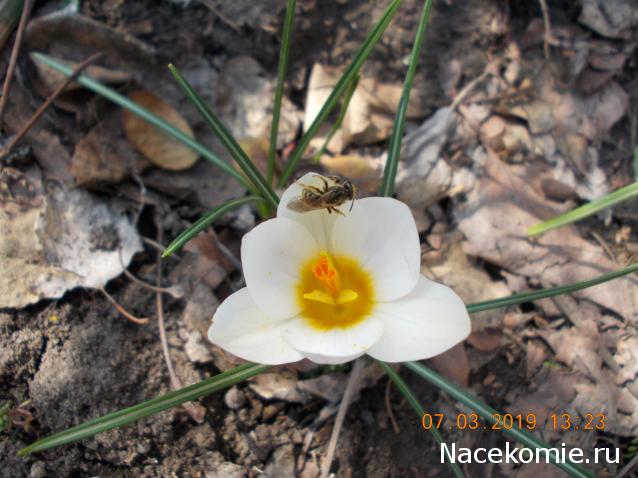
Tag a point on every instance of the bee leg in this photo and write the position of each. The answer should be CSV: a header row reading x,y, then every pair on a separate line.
x,y
337,211
325,183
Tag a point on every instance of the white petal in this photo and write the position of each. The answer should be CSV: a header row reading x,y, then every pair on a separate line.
x,y
334,345
243,330
382,235
318,222
272,255
425,323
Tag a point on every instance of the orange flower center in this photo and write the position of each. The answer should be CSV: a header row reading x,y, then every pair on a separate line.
x,y
334,292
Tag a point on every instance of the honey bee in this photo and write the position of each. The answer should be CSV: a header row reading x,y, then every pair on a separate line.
x,y
334,193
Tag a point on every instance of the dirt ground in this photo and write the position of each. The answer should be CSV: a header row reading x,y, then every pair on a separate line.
x,y
533,135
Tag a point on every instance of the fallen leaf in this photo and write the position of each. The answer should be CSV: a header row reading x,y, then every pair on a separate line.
x,y
370,113
160,149
244,102
75,37
610,18
201,185
424,175
358,169
280,385
486,340
58,240
502,203
52,78
203,262
454,365
104,157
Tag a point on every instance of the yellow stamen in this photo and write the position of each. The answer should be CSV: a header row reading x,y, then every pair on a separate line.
x,y
334,292
320,296
327,274
347,295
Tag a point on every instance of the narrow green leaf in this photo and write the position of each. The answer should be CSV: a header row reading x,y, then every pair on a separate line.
x,y
339,89
394,148
544,293
347,96
203,222
238,154
488,413
146,115
150,407
636,163
586,210
279,91
414,403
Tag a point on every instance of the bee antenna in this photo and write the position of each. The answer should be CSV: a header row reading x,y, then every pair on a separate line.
x,y
351,204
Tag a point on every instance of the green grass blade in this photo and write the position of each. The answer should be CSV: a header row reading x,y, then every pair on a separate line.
x,y
586,210
545,293
636,163
339,89
238,154
145,114
150,407
487,412
347,96
414,403
279,91
204,221
394,147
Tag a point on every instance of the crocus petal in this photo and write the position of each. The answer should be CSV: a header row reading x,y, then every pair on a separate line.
x,y
318,222
272,255
242,329
336,345
381,234
425,323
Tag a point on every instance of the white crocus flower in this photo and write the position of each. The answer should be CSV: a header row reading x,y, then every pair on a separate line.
x,y
331,288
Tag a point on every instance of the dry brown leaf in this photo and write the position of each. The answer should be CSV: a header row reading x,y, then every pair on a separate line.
x,y
454,365
103,157
53,78
244,102
577,347
356,168
502,204
160,149
57,240
610,18
370,114
486,340
204,263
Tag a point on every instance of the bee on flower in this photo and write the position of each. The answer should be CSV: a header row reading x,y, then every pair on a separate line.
x,y
332,287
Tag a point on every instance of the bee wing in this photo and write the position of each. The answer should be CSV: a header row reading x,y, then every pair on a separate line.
x,y
300,205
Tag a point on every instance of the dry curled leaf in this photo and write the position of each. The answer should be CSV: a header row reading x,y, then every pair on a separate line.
x,y
160,149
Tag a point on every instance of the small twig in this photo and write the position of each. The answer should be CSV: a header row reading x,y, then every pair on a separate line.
x,y
355,376
175,292
604,245
142,186
548,28
228,254
122,310
628,467
388,407
26,11
468,88
195,411
52,97
304,452
211,6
